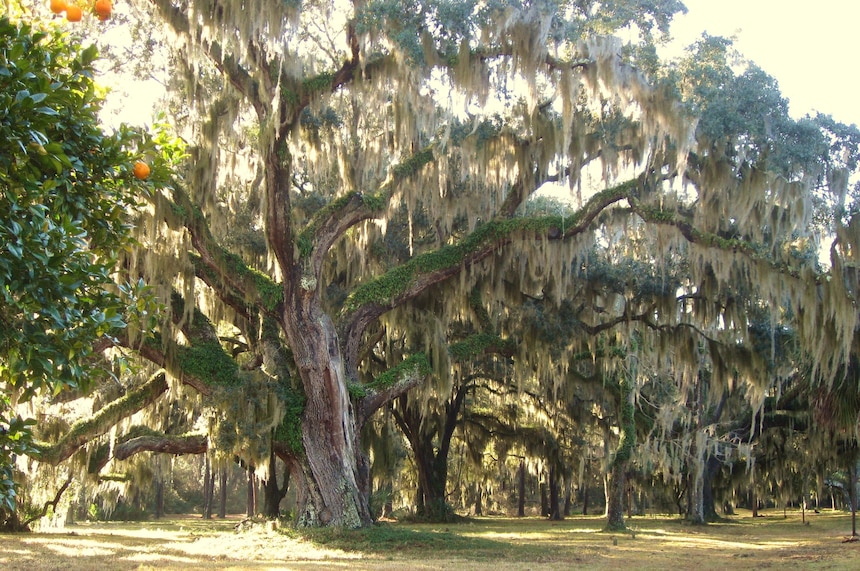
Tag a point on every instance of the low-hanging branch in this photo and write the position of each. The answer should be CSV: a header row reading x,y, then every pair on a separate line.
x,y
169,444
102,421
388,386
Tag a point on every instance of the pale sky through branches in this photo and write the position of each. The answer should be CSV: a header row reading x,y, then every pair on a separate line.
x,y
811,48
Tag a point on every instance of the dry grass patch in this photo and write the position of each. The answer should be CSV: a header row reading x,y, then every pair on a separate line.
x,y
500,544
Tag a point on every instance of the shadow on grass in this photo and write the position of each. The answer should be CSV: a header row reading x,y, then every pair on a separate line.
x,y
387,538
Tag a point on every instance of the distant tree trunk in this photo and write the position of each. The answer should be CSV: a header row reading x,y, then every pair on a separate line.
x,y
479,493
753,502
852,494
222,491
544,500
272,493
568,500
521,489
554,503
431,454
432,477
615,487
617,476
252,493
709,508
159,498
695,503
585,499
208,488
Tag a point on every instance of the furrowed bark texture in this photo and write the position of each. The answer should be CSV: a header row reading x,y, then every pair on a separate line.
x,y
331,491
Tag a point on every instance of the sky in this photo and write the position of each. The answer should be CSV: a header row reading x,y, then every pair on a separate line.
x,y
810,47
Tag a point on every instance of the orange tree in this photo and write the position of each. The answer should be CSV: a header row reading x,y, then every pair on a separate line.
x,y
65,193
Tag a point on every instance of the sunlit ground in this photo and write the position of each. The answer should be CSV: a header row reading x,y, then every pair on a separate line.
x,y
656,542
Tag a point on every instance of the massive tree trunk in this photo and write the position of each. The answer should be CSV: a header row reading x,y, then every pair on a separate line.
x,y
330,470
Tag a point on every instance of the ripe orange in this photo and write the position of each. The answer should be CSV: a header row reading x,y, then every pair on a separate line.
x,y
141,170
58,6
73,13
103,9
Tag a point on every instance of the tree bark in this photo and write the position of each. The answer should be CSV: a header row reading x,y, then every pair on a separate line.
x,y
544,499
615,485
709,507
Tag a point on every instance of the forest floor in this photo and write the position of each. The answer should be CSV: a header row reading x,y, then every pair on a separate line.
x,y
500,544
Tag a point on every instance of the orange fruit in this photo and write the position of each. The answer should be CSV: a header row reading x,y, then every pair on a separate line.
x,y
141,170
103,9
73,13
58,6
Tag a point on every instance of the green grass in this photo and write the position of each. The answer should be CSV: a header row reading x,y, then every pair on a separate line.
x,y
496,543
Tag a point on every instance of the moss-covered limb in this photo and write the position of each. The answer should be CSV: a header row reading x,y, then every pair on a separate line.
x,y
225,270
202,363
419,273
102,421
396,381
754,252
170,444
481,344
270,298
332,221
371,299
476,304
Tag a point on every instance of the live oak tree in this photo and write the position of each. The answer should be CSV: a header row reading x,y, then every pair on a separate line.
x,y
314,128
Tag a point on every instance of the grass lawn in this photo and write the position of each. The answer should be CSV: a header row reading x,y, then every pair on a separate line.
x,y
660,543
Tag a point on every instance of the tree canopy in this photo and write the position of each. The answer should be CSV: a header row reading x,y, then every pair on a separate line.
x,y
354,227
